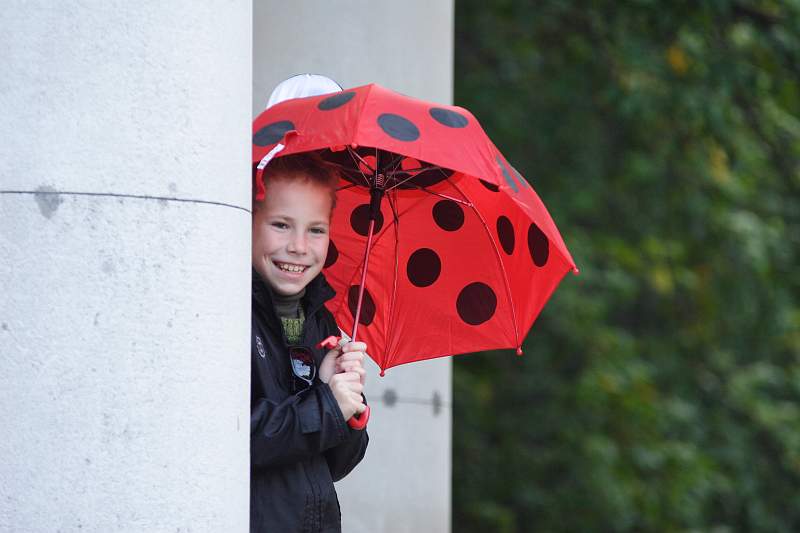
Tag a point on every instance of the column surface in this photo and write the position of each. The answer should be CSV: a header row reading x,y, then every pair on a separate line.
x,y
124,266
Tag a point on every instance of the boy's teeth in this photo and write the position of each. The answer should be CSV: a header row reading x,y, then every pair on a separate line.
x,y
291,268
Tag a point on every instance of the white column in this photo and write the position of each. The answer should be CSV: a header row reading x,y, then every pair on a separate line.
x,y
403,484
124,265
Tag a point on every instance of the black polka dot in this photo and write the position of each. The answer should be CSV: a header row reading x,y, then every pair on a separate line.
x,y
505,231
491,186
367,305
272,133
427,178
448,215
359,220
538,245
337,100
507,174
398,127
333,255
424,178
476,303
424,267
448,118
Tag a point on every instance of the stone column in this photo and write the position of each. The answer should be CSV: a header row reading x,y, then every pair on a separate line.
x,y
403,484
125,265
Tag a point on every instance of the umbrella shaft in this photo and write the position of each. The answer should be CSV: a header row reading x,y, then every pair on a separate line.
x,y
376,195
363,280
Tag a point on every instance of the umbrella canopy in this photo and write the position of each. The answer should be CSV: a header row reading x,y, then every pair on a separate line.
x,y
464,254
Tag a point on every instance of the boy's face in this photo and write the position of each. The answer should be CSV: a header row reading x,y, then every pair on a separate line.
x,y
291,234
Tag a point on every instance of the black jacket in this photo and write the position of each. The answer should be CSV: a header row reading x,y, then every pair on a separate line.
x,y
299,444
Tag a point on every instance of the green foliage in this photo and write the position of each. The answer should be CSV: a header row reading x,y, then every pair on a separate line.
x,y
660,390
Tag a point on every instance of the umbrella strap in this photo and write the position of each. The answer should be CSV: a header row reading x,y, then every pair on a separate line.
x,y
260,190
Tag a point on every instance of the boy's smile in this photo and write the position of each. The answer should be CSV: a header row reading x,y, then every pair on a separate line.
x,y
291,234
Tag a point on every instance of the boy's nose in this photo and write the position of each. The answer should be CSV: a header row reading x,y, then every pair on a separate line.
x,y
297,244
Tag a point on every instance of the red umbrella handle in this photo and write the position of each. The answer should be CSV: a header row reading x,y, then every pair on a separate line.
x,y
358,422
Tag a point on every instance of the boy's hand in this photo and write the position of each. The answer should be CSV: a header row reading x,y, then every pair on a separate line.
x,y
352,359
327,368
346,358
343,370
347,389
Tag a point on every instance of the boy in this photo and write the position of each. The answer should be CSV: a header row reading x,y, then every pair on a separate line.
x,y
301,397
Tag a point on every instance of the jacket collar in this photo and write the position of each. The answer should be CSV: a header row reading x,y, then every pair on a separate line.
x,y
318,292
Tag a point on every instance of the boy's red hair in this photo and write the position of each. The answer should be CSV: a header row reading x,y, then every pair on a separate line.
x,y
307,167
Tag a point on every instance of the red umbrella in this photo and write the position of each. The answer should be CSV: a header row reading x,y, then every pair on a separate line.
x,y
438,245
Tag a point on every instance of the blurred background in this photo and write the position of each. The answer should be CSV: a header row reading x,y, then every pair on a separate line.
x,y
660,388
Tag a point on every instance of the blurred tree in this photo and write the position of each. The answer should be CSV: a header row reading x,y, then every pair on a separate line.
x,y
660,390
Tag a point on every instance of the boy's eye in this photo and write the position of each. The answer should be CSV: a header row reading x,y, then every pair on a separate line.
x,y
319,231
279,225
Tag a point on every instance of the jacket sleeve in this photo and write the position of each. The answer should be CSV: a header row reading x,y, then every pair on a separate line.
x,y
298,427
344,457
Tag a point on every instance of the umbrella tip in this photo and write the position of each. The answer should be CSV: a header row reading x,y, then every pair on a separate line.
x,y
383,372
519,350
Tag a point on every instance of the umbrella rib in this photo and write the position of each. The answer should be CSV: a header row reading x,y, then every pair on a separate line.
x,y
417,169
397,162
393,168
396,185
356,158
344,168
412,177
393,299
499,260
445,196
348,186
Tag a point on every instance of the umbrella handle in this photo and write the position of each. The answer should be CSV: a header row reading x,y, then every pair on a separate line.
x,y
329,343
358,422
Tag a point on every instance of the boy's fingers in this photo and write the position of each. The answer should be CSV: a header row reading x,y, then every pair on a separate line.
x,y
355,387
349,363
356,396
344,379
360,370
333,354
355,347
353,367
352,356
